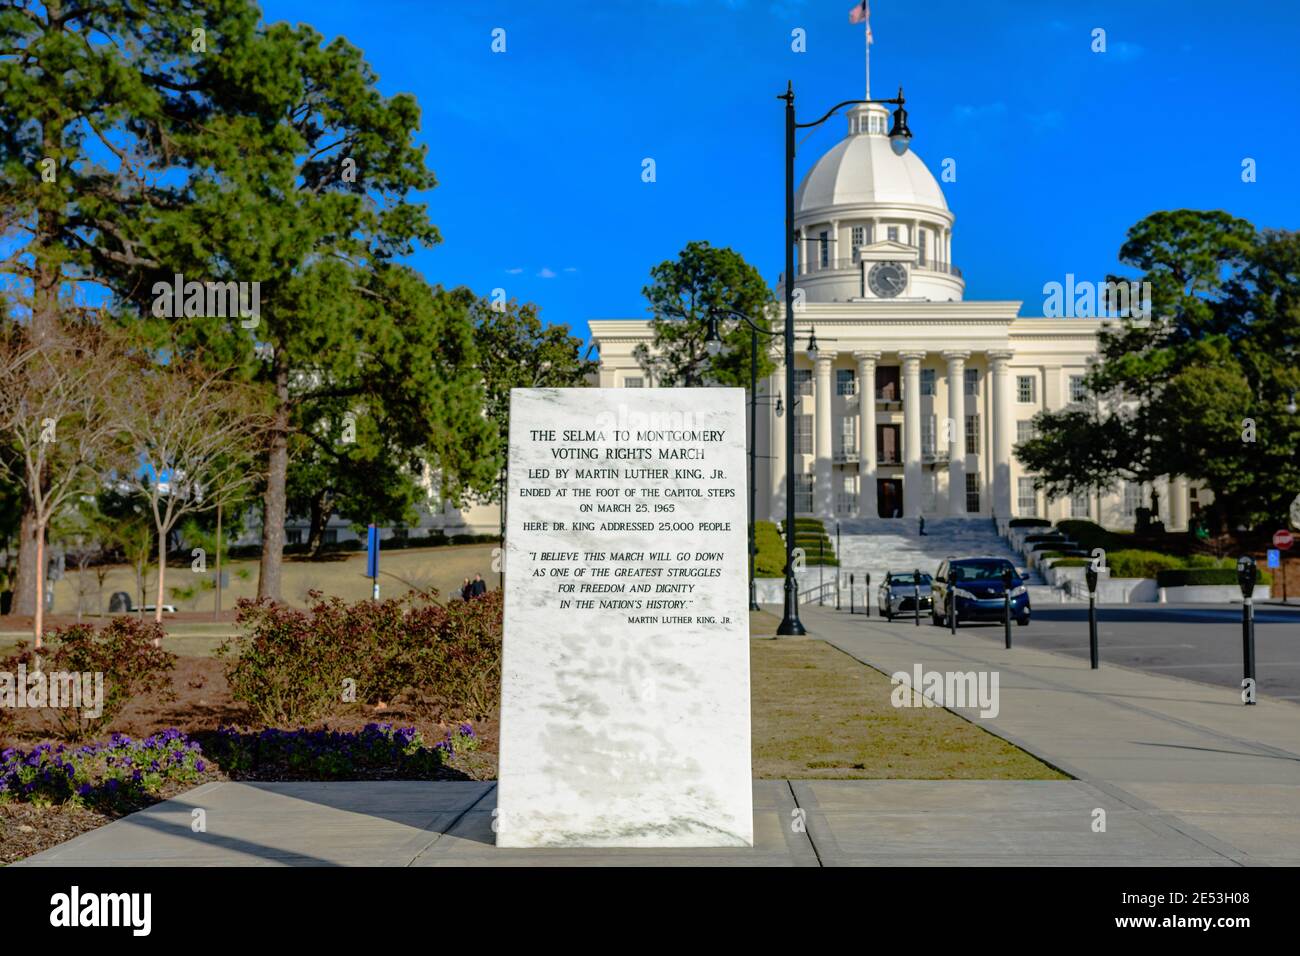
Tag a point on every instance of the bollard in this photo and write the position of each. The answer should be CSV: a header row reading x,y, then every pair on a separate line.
x,y
850,592
952,610
1247,575
1093,655
821,572
916,597
866,594
837,586
1006,604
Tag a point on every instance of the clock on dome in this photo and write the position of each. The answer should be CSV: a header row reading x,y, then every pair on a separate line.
x,y
887,279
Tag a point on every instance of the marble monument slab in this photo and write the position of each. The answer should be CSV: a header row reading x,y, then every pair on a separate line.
x,y
625,684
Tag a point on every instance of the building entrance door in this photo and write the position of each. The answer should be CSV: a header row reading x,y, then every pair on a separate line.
x,y
889,497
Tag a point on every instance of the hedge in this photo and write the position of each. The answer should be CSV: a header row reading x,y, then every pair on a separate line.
x,y
769,562
1201,577
1131,563
1090,535
1029,523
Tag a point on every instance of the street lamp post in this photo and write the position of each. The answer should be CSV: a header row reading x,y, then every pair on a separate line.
x,y
713,345
899,137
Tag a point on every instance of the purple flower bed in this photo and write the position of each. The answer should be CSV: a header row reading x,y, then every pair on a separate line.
x,y
379,750
120,772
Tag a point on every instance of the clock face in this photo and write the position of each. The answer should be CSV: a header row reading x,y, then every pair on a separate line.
x,y
887,279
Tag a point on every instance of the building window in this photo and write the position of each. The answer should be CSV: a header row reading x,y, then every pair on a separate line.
x,y
920,245
1079,504
1132,498
1027,498
803,381
859,236
824,239
972,493
927,435
1078,391
972,381
293,536
634,381
972,434
846,496
803,434
927,381
844,382
1024,430
848,436
331,536
891,233
1026,393
931,492
803,493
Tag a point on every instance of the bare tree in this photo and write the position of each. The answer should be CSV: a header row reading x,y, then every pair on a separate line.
x,y
198,434
58,409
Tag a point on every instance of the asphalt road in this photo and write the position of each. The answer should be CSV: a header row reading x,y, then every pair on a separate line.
x,y
1198,642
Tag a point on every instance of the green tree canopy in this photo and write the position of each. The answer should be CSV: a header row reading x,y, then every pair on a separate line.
x,y
682,292
1199,387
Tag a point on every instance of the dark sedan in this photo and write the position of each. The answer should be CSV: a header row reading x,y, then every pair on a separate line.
x,y
979,587
898,594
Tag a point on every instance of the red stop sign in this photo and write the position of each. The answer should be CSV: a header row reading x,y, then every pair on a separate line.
x,y
1283,539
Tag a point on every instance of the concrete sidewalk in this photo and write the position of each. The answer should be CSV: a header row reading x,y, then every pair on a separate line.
x,y
1188,754
799,823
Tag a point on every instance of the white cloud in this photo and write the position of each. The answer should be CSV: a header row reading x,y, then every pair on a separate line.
x,y
514,272
546,273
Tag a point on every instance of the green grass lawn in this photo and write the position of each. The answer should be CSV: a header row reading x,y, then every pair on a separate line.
x,y
818,713
341,574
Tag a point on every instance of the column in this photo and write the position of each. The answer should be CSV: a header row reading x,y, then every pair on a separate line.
x,y
777,444
957,434
913,494
866,433
1003,433
803,250
823,492
1178,504
835,243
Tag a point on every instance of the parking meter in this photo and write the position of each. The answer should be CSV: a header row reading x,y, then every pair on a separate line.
x,y
1090,575
1247,575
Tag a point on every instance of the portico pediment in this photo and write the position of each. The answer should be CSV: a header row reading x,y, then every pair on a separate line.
x,y
887,250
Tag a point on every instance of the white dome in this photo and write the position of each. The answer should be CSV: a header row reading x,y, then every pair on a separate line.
x,y
862,169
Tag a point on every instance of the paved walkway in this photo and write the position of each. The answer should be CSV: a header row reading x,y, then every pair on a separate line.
x,y
1182,752
843,822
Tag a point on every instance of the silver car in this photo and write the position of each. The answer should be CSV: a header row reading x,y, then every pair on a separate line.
x,y
899,594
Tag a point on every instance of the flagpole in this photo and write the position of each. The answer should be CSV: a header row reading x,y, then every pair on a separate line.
x,y
866,39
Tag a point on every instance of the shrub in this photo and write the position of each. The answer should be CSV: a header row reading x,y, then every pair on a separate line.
x,y
1140,564
116,775
1071,562
1029,523
124,651
294,667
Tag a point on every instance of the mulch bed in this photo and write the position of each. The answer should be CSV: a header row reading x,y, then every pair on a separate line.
x,y
202,704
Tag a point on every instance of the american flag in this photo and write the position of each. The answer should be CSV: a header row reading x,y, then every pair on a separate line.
x,y
861,13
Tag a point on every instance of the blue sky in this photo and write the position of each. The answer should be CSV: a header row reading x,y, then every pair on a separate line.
x,y
1059,150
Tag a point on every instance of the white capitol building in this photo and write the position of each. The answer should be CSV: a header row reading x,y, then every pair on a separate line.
x,y
916,395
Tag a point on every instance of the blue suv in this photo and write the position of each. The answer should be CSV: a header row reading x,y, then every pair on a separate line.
x,y
977,585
